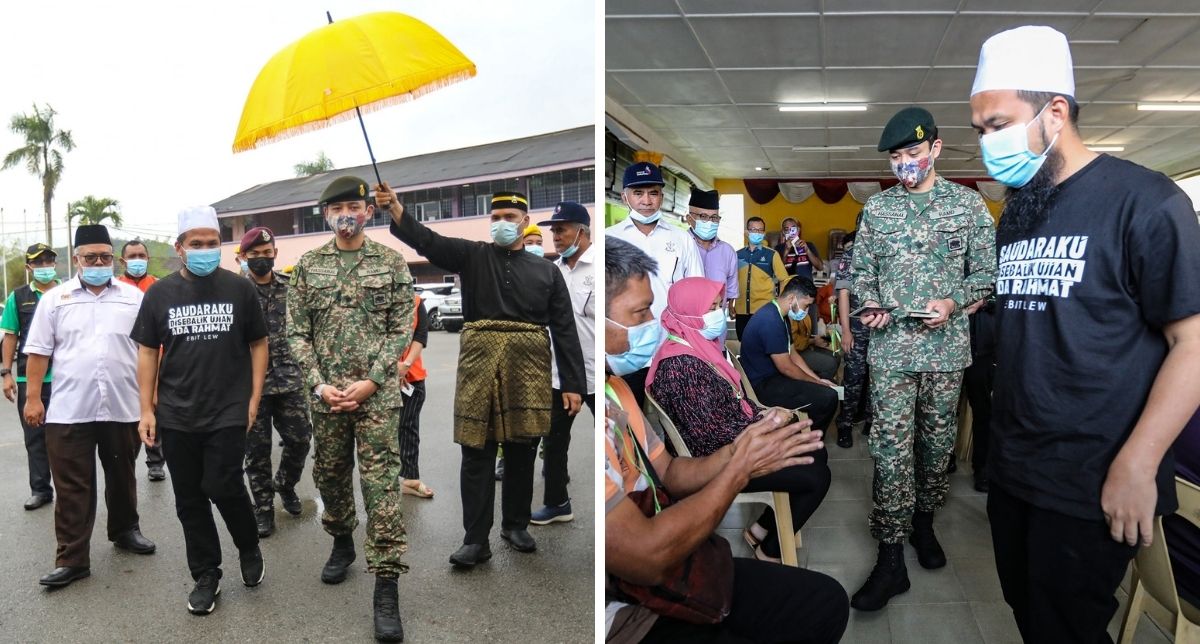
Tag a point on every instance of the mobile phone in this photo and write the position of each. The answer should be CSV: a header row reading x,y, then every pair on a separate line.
x,y
871,310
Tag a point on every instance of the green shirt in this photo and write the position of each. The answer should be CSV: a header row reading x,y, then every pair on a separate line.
x,y
10,324
921,199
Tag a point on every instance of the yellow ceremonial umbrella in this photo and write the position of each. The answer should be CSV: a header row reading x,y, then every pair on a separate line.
x,y
367,62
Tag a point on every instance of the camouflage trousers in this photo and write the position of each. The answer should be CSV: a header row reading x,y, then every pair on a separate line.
x,y
373,435
288,412
856,403
911,440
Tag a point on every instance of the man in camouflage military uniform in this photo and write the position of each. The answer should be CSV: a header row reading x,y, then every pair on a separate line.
x,y
283,403
924,245
350,309
856,401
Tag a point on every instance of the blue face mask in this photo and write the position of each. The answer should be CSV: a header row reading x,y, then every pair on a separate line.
x,y
1007,157
643,342
756,238
706,230
643,219
201,262
573,248
44,274
714,324
245,266
798,315
536,250
96,275
505,233
136,267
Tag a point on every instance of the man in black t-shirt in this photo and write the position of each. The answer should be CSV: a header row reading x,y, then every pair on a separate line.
x,y
1098,344
210,329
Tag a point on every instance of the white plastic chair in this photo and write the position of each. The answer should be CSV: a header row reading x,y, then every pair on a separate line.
x,y
789,539
1152,576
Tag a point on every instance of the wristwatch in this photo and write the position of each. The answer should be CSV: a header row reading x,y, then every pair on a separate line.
x,y
317,393
5,372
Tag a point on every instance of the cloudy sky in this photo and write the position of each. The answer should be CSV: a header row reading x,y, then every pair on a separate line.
x,y
152,93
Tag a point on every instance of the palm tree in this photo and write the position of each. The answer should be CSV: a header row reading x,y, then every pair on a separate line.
x,y
41,154
309,168
94,210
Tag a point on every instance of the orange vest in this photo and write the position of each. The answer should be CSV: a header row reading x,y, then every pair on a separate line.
x,y
146,282
417,372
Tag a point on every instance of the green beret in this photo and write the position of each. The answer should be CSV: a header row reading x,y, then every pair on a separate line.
x,y
910,126
345,189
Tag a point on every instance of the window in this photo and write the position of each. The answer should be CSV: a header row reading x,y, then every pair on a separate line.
x,y
312,221
428,210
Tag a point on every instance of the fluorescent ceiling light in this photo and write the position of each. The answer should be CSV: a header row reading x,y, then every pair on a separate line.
x,y
1106,148
760,168
824,107
1169,107
826,148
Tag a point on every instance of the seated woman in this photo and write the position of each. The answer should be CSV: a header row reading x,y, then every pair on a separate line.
x,y
701,392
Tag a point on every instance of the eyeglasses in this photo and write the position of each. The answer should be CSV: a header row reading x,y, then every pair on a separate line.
x,y
699,217
96,259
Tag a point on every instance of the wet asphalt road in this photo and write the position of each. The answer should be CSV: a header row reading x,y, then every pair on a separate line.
x,y
547,596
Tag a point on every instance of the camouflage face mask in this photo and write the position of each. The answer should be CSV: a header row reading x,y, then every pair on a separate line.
x,y
911,174
346,226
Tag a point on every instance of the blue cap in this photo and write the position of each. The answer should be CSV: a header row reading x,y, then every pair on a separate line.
x,y
569,212
643,174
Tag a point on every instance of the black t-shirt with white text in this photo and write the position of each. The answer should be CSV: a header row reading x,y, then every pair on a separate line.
x,y
1081,302
205,326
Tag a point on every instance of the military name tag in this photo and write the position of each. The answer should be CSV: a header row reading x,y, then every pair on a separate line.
x,y
954,243
318,270
375,270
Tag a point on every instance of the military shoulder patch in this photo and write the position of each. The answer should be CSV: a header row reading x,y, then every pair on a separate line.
x,y
954,243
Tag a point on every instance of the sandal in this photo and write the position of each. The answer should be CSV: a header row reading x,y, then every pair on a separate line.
x,y
420,490
754,535
762,556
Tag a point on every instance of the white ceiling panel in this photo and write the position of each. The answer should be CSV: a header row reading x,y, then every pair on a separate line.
x,y
750,6
651,43
674,88
717,137
769,138
1154,36
775,86
872,85
760,41
967,33
618,92
714,116
639,7
859,41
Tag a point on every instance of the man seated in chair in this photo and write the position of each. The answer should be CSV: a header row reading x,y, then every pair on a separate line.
x,y
1183,537
769,601
778,374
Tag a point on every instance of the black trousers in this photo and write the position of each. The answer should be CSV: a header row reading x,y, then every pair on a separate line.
x,y
410,431
206,467
35,446
477,480
771,603
1059,574
977,381
154,455
557,444
806,486
781,391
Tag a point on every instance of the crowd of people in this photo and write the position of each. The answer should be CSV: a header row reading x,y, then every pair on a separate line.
x,y
200,365
1072,428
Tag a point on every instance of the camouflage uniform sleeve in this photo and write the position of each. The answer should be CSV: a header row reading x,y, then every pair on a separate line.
x,y
399,326
864,271
980,279
300,328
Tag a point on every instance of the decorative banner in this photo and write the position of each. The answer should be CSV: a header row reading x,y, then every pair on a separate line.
x,y
830,191
992,190
762,191
796,191
862,190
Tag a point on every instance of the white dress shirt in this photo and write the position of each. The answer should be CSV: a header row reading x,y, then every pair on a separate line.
x,y
95,361
581,282
671,247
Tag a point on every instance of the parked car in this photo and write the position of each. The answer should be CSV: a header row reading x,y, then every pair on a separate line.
x,y
433,295
451,312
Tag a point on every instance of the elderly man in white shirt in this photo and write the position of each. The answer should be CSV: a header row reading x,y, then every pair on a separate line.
x,y
569,227
672,248
83,324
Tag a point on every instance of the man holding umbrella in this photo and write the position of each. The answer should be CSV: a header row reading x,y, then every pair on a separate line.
x,y
503,393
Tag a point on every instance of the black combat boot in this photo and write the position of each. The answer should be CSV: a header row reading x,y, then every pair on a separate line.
x,y
340,559
387,611
888,579
929,551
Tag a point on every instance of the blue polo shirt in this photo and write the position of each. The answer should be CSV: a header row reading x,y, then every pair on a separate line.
x,y
766,335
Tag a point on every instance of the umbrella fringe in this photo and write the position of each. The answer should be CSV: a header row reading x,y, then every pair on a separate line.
x,y
285,132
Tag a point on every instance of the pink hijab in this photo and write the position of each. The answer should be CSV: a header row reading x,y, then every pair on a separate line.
x,y
687,302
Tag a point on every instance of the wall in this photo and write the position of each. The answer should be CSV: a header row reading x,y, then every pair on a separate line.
x,y
816,217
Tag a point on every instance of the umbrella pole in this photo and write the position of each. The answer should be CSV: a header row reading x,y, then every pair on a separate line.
x,y
366,138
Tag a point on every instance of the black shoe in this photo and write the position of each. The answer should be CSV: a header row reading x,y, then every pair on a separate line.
x,y
156,473
981,481
266,523
134,542
929,551
340,559
36,501
290,502
387,611
866,430
253,567
845,438
500,469
888,579
520,540
203,598
471,554
953,467
63,576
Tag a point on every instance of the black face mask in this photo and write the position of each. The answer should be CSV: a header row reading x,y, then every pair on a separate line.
x,y
260,266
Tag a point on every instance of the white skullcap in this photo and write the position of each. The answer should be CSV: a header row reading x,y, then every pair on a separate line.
x,y
1034,59
197,217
